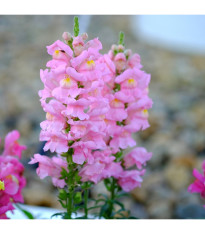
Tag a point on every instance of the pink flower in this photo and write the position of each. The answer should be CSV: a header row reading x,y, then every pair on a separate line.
x,y
199,184
120,61
101,168
12,146
132,79
130,179
76,108
134,61
78,45
55,141
122,140
59,46
138,157
82,153
11,174
117,110
50,167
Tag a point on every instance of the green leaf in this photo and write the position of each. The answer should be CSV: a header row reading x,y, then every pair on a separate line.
x,y
94,207
107,184
61,202
119,203
27,213
100,200
64,174
57,214
104,210
103,195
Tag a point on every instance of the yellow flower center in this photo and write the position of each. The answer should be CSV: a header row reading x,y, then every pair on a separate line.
x,y
131,82
49,116
57,52
67,81
2,187
145,112
117,103
90,63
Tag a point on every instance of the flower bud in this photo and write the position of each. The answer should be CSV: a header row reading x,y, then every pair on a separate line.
x,y
84,36
128,53
121,48
114,47
67,36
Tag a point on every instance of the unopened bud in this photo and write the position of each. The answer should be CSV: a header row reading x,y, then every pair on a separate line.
x,y
128,52
121,48
84,36
67,36
114,47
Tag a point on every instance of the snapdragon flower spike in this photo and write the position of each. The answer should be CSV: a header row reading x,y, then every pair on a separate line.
x,y
95,102
12,180
198,186
127,92
74,101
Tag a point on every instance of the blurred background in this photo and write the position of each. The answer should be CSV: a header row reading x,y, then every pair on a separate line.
x,y
172,50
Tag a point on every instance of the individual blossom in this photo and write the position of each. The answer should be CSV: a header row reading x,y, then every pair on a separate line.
x,y
102,167
12,180
50,167
198,186
138,156
11,146
130,179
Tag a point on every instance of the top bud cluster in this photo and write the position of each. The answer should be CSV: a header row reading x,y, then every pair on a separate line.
x,y
93,104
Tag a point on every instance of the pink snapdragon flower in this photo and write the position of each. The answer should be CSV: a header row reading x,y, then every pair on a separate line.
x,y
199,184
12,147
11,174
138,157
93,104
102,167
50,167
130,179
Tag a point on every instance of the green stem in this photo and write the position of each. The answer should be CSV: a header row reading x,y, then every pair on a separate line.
x,y
86,200
70,187
112,197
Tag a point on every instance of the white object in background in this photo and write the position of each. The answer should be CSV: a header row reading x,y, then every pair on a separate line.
x,y
38,212
183,33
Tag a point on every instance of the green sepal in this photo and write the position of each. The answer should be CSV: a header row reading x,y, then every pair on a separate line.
x,y
62,194
116,87
78,197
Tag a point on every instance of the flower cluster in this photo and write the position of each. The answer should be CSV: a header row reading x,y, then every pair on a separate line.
x,y
11,174
199,184
94,103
